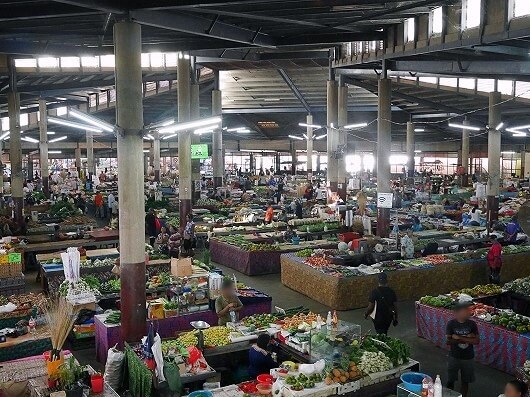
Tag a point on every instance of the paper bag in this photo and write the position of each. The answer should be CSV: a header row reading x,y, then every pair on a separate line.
x,y
181,267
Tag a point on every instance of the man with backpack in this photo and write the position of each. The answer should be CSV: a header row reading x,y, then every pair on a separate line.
x,y
382,306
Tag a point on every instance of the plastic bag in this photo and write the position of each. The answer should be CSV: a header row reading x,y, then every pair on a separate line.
x,y
113,367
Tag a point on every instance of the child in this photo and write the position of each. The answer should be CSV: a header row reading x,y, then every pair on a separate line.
x,y
228,302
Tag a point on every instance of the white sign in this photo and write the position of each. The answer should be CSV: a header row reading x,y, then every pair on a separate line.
x,y
384,200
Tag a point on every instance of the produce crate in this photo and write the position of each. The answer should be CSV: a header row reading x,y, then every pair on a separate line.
x,y
13,290
14,281
9,270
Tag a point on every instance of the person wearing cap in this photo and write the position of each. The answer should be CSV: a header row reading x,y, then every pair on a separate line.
x,y
382,306
461,336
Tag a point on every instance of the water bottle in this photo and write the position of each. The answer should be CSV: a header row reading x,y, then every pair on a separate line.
x,y
233,317
438,387
329,320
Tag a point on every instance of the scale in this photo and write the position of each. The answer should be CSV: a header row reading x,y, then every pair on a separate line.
x,y
200,326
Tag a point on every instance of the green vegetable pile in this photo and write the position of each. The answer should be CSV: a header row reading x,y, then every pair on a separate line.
x,y
305,253
301,382
512,322
519,286
62,209
110,286
3,300
318,227
92,282
174,221
436,301
113,318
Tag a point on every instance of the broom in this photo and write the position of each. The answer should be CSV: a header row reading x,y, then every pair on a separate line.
x,y
61,317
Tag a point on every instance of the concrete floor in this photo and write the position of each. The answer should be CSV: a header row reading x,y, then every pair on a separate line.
x,y
490,382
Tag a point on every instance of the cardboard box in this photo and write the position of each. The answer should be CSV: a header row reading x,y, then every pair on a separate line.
x,y
181,267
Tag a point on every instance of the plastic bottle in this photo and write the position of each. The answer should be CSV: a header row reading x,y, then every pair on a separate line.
x,y
233,318
329,320
430,389
438,387
425,387
319,322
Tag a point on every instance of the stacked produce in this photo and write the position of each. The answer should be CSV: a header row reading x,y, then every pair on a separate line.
x,y
213,337
519,286
206,202
305,253
437,301
438,259
515,249
318,227
173,347
512,322
161,280
304,221
110,286
242,243
301,382
479,290
63,209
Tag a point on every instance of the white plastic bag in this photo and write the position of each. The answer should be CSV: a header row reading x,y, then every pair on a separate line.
x,y
113,367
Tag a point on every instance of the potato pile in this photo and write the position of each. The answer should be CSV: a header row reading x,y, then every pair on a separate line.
x,y
341,376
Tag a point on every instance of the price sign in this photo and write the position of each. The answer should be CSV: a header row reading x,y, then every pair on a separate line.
x,y
384,200
15,257
4,259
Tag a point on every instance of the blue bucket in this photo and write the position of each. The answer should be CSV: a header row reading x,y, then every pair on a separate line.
x,y
201,393
413,381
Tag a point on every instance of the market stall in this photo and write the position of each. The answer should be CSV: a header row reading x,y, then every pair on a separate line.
x,y
345,288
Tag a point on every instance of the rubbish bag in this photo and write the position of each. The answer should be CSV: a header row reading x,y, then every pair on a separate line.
x,y
113,368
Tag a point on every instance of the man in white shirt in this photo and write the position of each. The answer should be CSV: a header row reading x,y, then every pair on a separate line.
x,y
110,203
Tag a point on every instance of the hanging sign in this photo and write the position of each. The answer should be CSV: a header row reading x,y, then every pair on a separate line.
x,y
384,200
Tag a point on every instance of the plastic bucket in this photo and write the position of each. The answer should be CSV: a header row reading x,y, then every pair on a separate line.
x,y
96,383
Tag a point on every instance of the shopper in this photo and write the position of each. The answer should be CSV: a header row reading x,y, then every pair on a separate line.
x,y
494,258
407,246
189,235
269,214
260,360
162,240
382,306
462,335
474,215
228,303
98,202
110,203
515,388
150,226
510,233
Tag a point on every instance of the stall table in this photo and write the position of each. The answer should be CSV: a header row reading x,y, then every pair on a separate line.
x,y
254,263
342,293
26,345
107,335
499,348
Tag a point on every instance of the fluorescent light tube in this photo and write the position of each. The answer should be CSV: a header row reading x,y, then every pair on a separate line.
x,y
28,139
501,124
296,137
464,127
309,125
190,125
91,120
54,152
419,129
321,136
73,124
350,126
61,138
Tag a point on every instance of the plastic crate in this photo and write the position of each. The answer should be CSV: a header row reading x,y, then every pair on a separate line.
x,y
13,290
9,270
13,281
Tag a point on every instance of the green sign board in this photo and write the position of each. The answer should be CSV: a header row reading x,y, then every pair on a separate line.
x,y
15,257
199,151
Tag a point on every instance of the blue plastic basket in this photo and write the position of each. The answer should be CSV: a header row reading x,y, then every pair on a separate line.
x,y
413,381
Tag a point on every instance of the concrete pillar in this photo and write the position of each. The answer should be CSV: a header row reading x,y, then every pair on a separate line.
x,y
309,160
494,156
184,140
410,154
156,155
523,159
78,159
30,167
384,115
195,163
146,164
43,147
318,162
277,162
252,164
15,147
217,136
129,117
465,154
293,159
332,172
90,163
342,120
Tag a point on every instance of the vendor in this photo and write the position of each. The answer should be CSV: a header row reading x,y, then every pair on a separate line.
x,y
494,258
162,240
510,233
407,246
361,202
416,225
475,216
308,194
269,214
228,303
260,360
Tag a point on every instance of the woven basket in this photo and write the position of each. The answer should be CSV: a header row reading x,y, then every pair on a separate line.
x,y
10,270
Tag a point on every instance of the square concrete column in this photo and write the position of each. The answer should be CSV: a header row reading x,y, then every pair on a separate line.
x,y
43,147
465,153
342,120
410,154
384,141
15,145
90,164
156,155
195,139
184,139
309,133
129,120
333,163
494,157
77,153
217,141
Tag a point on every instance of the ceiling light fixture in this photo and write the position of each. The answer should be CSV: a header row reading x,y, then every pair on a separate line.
x,y
54,152
351,126
417,151
61,138
73,124
296,137
91,120
321,136
519,134
508,152
235,129
501,124
28,139
305,136
169,136
419,129
4,135
522,127
309,125
464,127
515,131
190,125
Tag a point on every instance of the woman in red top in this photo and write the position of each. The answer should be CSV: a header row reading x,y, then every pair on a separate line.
x,y
494,259
269,214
